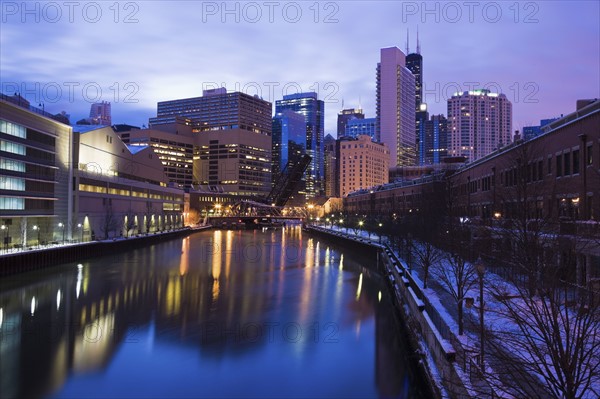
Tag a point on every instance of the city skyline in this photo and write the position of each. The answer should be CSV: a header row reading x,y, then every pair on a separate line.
x,y
172,51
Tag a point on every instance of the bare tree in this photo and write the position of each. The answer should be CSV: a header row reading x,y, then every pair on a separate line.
x,y
458,276
547,336
427,255
553,341
109,222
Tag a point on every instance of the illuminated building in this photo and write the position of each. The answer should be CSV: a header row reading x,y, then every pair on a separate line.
x,y
35,176
362,163
289,144
121,190
396,107
479,122
357,127
175,149
331,175
345,116
313,110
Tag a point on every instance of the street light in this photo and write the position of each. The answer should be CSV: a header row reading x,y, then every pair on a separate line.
x,y
37,229
380,226
341,223
80,226
62,226
360,225
480,266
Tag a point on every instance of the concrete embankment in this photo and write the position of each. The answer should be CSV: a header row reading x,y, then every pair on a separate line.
x,y
34,259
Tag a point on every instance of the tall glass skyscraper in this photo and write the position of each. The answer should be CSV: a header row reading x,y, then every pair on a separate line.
x,y
396,107
313,111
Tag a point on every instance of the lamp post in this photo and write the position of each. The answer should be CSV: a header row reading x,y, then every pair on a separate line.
x,y
36,228
480,266
360,225
62,226
80,226
380,228
341,223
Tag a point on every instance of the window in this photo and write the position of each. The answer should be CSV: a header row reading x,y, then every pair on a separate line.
x,y
575,162
558,165
550,165
567,162
590,155
12,147
12,183
10,164
12,203
13,129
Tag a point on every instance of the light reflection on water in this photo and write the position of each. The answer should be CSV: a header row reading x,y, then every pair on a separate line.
x,y
216,314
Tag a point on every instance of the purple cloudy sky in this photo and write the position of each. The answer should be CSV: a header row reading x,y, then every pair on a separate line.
x,y
544,55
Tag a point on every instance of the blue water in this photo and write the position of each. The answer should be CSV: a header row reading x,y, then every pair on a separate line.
x,y
218,314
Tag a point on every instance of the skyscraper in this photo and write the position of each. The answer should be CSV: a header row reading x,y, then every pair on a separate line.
x,y
313,111
433,147
396,107
232,137
331,175
289,144
414,63
346,115
100,114
357,127
218,110
479,122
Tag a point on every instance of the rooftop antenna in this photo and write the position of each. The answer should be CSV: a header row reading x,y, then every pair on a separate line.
x,y
418,45
406,41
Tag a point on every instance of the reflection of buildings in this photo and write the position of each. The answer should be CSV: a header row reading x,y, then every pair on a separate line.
x,y
289,145
209,291
313,110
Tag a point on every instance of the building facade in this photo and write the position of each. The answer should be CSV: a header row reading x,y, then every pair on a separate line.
x,y
395,103
289,145
346,115
479,122
174,149
121,190
218,110
313,110
331,175
35,177
433,139
358,127
234,161
100,114
231,135
362,163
